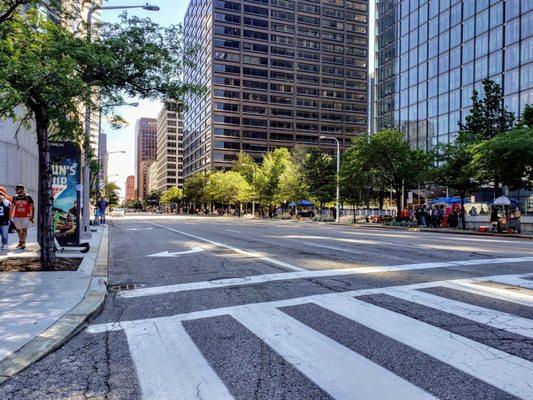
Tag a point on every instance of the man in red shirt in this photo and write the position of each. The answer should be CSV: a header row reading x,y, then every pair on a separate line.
x,y
23,210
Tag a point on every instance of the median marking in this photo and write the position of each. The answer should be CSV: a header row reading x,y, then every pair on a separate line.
x,y
177,253
306,274
243,252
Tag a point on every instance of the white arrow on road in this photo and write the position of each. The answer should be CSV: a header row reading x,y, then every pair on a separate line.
x,y
178,253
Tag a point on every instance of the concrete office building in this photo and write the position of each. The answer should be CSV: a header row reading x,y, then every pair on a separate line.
x,y
145,153
169,169
278,72
431,55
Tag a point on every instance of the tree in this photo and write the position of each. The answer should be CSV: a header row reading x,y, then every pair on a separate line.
x,y
488,115
395,162
246,166
268,176
455,168
320,176
526,120
194,188
49,71
173,195
506,158
292,185
228,188
355,173
153,198
112,191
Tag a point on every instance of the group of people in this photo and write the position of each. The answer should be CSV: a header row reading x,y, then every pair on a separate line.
x,y
98,210
434,216
17,212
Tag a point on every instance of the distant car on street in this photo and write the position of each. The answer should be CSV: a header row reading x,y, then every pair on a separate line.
x,y
118,212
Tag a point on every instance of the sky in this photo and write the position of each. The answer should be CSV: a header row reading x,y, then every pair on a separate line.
x,y
120,166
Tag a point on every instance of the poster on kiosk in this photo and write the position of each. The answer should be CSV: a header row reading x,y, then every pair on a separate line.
x,y
65,162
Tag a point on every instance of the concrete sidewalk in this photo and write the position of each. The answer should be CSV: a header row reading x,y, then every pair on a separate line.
x,y
39,311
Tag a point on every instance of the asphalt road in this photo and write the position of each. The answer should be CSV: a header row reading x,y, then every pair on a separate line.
x,y
213,308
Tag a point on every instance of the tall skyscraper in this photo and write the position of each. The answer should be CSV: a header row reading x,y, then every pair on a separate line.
x,y
278,72
130,188
169,169
145,152
431,55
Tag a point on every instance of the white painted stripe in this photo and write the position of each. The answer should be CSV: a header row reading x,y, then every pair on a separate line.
x,y
232,230
497,368
339,371
169,365
332,248
254,279
496,319
516,281
498,293
243,252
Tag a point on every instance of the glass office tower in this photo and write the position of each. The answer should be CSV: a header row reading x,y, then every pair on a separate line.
x,y
432,54
278,73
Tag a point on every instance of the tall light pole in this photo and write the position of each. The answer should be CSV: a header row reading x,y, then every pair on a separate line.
x,y
85,232
338,216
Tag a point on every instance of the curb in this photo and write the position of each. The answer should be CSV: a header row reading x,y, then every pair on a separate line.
x,y
68,325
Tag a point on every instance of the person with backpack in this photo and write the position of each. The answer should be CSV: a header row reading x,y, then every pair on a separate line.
x,y
5,210
23,214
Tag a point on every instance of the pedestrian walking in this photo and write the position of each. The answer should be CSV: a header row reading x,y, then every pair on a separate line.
x,y
5,209
102,207
23,209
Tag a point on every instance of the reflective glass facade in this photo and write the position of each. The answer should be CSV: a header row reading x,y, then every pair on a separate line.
x,y
432,54
278,73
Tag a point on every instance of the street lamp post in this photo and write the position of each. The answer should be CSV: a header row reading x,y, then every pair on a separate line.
x,y
86,233
338,216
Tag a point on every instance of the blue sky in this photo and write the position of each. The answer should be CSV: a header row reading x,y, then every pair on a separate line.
x,y
171,12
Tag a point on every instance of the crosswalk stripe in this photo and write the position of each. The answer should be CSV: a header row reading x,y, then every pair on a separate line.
x,y
516,281
496,319
504,371
497,293
169,365
249,280
339,371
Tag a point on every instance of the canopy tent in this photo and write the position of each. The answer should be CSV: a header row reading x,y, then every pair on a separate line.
x,y
503,201
305,203
448,200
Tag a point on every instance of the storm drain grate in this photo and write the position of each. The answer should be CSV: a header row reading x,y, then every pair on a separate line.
x,y
120,288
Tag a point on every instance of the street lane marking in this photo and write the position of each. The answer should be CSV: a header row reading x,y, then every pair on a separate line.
x,y
243,252
169,365
517,281
305,274
177,253
332,247
497,293
232,230
342,373
453,283
502,370
489,240
508,322
139,229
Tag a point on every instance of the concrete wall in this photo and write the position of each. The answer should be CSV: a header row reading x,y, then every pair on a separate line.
x,y
18,158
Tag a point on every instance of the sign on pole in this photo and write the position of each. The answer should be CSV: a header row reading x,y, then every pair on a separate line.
x,y
409,197
65,162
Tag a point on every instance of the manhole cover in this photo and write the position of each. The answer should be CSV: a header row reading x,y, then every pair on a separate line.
x,y
130,286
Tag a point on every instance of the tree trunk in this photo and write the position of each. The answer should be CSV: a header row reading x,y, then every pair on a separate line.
x,y
463,214
46,236
353,209
497,189
398,195
381,198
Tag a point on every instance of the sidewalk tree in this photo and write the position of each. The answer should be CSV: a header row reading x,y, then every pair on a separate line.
x,y
112,191
268,177
228,188
292,183
395,163
194,188
320,177
153,198
49,71
355,173
454,168
246,166
507,158
173,195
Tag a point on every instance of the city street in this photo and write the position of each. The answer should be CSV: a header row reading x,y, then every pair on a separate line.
x,y
215,308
